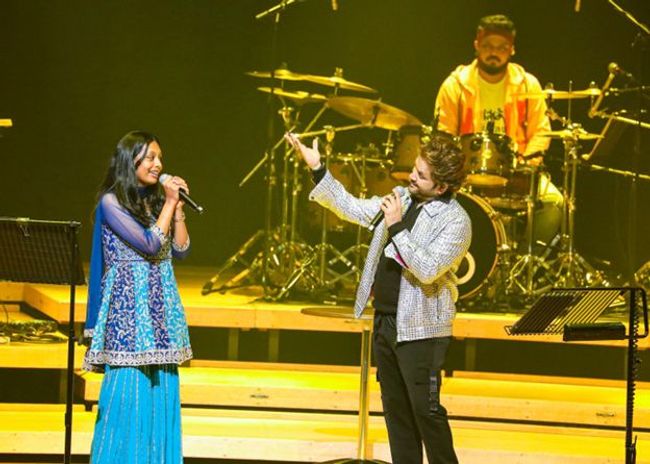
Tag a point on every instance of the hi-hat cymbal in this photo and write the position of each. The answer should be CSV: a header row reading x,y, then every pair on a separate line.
x,y
559,94
281,73
372,112
299,96
340,82
576,134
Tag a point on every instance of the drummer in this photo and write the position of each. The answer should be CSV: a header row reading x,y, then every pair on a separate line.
x,y
481,97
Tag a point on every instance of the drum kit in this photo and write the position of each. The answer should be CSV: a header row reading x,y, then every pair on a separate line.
x,y
509,257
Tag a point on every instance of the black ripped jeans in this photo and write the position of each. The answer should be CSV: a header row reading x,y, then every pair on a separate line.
x,y
409,376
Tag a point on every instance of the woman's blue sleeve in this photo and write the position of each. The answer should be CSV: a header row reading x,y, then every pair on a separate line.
x,y
147,240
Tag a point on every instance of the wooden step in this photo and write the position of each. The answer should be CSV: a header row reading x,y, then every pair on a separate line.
x,y
291,436
466,395
22,355
262,385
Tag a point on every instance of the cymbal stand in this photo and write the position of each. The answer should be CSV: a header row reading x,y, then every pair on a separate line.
x,y
524,276
569,268
360,248
324,247
278,254
290,224
317,279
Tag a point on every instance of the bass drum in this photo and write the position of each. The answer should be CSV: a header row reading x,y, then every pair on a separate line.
x,y
488,237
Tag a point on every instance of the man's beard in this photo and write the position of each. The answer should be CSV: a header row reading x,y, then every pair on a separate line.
x,y
491,69
419,196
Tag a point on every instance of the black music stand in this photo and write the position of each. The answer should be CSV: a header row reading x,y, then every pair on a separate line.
x,y
574,312
45,252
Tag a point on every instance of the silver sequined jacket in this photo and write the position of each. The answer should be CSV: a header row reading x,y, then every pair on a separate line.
x,y
430,254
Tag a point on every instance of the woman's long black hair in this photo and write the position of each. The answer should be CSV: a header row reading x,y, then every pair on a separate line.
x,y
121,180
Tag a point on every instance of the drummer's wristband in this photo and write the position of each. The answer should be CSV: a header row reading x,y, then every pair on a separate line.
x,y
318,173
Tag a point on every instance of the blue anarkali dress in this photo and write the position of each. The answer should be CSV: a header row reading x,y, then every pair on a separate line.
x,y
139,336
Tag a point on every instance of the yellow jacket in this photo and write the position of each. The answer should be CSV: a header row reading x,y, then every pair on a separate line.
x,y
458,107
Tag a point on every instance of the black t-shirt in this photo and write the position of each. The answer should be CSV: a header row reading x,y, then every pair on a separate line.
x,y
389,271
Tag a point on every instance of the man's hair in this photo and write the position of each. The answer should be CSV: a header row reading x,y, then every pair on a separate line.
x,y
446,160
496,24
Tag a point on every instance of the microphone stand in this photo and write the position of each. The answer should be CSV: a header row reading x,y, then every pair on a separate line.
x,y
271,179
641,43
276,9
618,117
630,17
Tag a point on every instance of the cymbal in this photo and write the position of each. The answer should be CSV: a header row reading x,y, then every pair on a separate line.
x,y
280,73
577,134
299,96
559,94
372,112
338,81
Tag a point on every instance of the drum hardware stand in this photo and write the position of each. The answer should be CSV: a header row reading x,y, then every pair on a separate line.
x,y
389,145
360,248
278,253
358,251
569,268
275,246
303,270
495,293
524,272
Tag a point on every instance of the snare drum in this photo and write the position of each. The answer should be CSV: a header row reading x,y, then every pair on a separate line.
x,y
488,237
489,158
514,194
408,149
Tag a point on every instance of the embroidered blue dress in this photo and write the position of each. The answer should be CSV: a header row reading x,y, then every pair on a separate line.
x,y
139,336
140,319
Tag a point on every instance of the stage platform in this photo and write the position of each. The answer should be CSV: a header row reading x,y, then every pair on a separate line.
x,y
272,411
244,309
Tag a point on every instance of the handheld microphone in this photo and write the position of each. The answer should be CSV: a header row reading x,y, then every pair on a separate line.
x,y
183,194
404,194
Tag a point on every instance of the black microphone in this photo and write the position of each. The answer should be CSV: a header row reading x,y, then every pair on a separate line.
x,y
183,194
614,68
380,215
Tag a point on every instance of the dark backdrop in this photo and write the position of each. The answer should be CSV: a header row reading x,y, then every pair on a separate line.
x,y
75,75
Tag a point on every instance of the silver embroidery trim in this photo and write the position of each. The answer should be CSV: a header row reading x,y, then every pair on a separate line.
x,y
181,248
161,235
121,358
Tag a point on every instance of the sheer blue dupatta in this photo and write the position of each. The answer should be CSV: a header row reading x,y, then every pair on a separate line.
x,y
95,274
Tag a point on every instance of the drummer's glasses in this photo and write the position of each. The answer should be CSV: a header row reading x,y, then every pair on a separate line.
x,y
486,47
